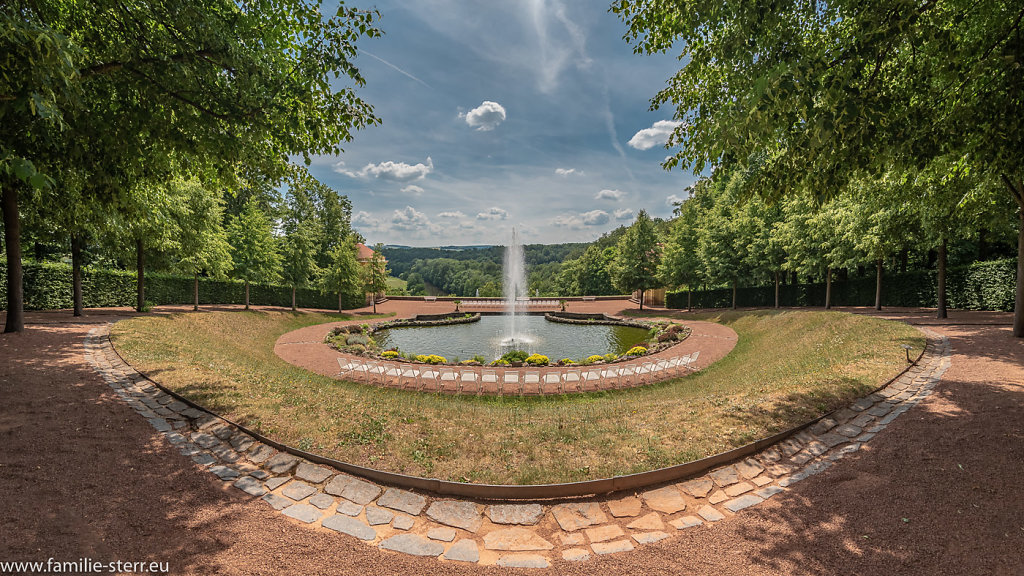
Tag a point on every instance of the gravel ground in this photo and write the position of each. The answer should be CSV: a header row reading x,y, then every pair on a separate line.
x,y
938,492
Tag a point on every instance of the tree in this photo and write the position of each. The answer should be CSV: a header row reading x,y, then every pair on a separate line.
x,y
636,263
113,89
202,244
342,273
254,250
829,90
297,251
375,275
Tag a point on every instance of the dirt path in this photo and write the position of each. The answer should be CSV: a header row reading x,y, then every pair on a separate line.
x,y
84,476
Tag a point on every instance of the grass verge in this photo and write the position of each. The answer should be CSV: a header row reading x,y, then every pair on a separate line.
x,y
786,368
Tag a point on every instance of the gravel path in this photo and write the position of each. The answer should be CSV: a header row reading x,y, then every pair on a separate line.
x,y
938,492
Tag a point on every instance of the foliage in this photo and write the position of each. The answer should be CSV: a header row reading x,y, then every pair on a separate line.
x,y
537,360
514,356
636,351
48,287
593,358
391,354
635,266
978,286
254,253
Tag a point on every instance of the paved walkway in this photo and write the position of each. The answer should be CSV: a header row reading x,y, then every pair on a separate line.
x,y
935,492
306,348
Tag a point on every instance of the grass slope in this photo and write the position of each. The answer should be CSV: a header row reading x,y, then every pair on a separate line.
x,y
787,367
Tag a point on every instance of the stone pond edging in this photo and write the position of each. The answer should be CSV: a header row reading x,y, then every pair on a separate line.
x,y
529,534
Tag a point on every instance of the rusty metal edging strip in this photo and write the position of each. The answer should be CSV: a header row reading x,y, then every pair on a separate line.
x,y
523,491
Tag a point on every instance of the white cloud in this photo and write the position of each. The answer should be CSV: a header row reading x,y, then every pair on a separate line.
x,y
610,195
624,214
455,214
656,135
486,116
397,171
578,221
363,217
413,190
673,199
568,171
493,214
411,220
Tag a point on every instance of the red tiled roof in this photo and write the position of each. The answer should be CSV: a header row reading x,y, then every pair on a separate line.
x,y
363,252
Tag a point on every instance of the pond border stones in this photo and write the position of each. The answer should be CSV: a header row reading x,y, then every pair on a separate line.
x,y
508,533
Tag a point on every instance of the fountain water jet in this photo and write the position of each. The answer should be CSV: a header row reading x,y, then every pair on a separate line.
x,y
515,292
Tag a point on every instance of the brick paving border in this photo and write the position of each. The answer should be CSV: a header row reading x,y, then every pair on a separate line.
x,y
508,533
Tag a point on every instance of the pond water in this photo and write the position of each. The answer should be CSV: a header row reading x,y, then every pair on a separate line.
x,y
552,339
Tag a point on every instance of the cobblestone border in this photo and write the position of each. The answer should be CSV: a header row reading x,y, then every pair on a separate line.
x,y
513,534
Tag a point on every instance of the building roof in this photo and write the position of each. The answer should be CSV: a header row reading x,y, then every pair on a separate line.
x,y
363,252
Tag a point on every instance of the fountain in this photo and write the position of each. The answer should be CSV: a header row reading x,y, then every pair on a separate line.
x,y
515,292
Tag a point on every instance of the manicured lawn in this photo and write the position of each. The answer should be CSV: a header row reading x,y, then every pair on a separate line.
x,y
786,368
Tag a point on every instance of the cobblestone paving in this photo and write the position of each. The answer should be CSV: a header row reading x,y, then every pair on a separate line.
x,y
508,533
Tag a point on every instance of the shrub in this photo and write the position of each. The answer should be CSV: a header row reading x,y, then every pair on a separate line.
x,y
610,357
566,362
636,351
357,339
537,360
390,354
421,358
435,359
593,358
514,356
500,362
480,359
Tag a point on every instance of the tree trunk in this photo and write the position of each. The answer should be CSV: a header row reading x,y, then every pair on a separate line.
x,y
942,280
878,284
828,289
293,297
776,288
1018,307
689,299
904,257
733,293
339,300
373,297
140,281
76,272
195,293
12,246
641,300
246,293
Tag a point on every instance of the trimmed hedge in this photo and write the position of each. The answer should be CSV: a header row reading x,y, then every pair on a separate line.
x,y
47,286
979,286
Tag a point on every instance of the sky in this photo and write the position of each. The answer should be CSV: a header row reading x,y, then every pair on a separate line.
x,y
526,113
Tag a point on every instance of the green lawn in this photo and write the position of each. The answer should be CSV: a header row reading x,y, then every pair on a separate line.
x,y
786,368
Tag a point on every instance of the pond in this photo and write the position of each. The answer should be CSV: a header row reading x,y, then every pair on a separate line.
x,y
552,339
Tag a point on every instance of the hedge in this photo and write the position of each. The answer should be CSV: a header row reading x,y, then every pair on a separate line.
x,y
979,286
47,286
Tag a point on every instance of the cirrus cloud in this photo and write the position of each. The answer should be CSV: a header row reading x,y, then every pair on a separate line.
x,y
487,116
656,135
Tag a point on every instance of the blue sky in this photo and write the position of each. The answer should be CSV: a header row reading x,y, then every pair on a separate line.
x,y
529,113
